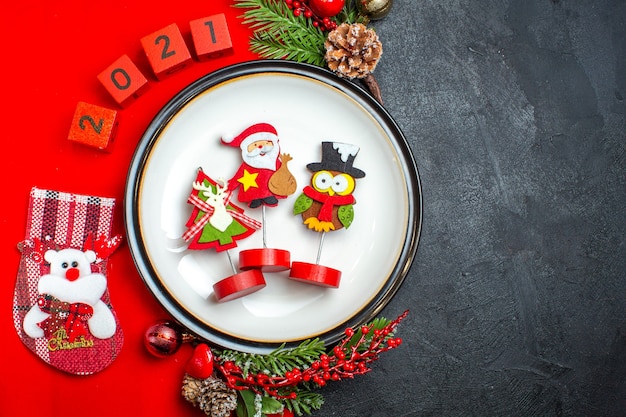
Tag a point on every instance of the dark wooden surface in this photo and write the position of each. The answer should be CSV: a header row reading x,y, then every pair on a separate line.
x,y
515,112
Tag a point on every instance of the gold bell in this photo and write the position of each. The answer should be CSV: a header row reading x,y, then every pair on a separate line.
x,y
374,9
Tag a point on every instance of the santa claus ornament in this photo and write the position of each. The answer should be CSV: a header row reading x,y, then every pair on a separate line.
x,y
261,181
327,205
61,306
216,223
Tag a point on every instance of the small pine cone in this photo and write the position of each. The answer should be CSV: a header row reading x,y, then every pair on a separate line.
x,y
211,395
352,50
192,389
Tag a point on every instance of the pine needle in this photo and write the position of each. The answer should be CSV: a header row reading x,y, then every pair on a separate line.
x,y
279,34
285,46
279,361
305,402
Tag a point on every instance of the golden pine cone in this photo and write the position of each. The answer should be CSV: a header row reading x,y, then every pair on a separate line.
x,y
352,50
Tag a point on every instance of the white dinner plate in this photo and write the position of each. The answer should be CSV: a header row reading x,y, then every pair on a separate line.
x,y
307,105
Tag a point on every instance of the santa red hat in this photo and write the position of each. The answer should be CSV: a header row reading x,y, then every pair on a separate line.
x,y
259,131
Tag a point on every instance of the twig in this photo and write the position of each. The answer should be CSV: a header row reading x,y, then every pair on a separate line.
x,y
372,85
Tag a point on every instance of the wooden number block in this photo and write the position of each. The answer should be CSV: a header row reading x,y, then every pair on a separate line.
x,y
93,126
166,50
124,81
211,38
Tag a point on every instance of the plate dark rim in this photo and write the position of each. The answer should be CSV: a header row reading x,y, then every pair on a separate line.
x,y
161,120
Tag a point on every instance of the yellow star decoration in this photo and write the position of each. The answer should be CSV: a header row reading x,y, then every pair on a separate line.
x,y
248,180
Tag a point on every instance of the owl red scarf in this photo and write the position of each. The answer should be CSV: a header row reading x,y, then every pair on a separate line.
x,y
328,202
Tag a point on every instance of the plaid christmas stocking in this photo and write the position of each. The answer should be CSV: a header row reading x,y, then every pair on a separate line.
x,y
61,306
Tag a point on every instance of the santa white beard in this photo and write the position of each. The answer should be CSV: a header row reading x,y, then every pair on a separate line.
x,y
264,158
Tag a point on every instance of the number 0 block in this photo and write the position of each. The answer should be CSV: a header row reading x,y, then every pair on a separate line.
x,y
124,81
93,126
211,37
166,51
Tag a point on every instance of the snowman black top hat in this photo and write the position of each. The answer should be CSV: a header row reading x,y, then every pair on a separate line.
x,y
337,156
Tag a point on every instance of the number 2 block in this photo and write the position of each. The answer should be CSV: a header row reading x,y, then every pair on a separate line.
x,y
211,37
93,126
124,81
166,51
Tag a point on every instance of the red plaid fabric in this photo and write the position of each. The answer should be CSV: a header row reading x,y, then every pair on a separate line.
x,y
58,220
70,318
208,210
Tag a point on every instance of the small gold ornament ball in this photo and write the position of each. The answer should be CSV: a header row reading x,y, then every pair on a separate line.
x,y
374,9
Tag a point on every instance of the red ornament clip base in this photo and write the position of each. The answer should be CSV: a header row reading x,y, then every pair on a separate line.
x,y
238,285
315,274
265,259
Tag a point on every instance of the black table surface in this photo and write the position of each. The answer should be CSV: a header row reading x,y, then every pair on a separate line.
x,y
516,116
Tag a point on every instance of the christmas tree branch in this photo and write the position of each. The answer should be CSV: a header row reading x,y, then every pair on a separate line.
x,y
278,362
285,46
279,34
274,16
286,374
305,402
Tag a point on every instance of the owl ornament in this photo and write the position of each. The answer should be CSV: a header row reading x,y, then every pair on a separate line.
x,y
327,205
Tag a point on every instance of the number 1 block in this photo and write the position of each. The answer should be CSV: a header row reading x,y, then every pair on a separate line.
x,y
211,37
93,126
124,81
166,51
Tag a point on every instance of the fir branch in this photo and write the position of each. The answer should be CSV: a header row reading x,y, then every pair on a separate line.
x,y
350,14
291,374
305,402
279,34
274,16
286,46
277,362
302,355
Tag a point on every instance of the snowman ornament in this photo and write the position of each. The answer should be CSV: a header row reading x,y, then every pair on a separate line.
x,y
69,301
